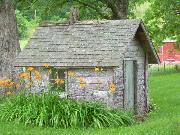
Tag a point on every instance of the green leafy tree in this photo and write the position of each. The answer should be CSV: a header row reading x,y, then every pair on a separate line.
x,y
95,9
163,20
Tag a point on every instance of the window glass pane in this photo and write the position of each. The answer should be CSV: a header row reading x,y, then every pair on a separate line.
x,y
57,80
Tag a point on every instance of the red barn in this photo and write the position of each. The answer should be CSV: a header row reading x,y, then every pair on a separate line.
x,y
167,53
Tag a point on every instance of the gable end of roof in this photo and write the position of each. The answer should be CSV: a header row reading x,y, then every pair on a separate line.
x,y
148,44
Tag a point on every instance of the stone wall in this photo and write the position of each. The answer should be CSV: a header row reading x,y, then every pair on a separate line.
x,y
119,81
86,84
42,84
136,52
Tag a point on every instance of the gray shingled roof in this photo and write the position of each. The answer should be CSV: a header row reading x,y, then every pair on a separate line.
x,y
89,43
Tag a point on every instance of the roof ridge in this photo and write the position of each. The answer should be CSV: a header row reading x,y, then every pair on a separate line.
x,y
83,22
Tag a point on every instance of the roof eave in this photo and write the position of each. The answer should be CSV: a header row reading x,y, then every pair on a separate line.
x,y
156,59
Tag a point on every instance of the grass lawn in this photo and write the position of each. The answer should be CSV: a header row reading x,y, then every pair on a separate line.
x,y
165,91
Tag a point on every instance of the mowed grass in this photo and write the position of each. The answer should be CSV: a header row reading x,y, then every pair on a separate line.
x,y
165,91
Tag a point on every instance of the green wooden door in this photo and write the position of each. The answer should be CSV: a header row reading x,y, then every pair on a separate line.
x,y
129,92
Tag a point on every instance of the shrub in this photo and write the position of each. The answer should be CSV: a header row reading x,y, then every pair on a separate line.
x,y
48,110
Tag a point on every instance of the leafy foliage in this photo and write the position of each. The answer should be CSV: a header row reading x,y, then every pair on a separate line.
x,y
22,24
1,2
56,87
48,110
88,9
163,20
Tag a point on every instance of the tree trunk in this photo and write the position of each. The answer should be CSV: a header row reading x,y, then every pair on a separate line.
x,y
9,44
119,8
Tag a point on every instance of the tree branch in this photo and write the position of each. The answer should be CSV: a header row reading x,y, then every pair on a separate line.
x,y
92,7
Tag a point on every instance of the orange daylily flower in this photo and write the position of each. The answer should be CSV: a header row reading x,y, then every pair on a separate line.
x,y
82,85
37,75
96,69
2,82
46,65
112,87
11,83
71,73
82,79
30,69
24,75
37,78
6,83
59,81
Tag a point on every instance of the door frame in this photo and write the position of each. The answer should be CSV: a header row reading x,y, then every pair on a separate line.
x,y
135,83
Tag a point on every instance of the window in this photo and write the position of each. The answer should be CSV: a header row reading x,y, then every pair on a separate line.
x,y
57,80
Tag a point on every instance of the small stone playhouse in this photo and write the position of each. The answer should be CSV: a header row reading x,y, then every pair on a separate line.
x,y
119,50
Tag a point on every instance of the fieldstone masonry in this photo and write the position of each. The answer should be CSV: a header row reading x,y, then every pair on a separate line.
x,y
42,84
135,51
95,84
